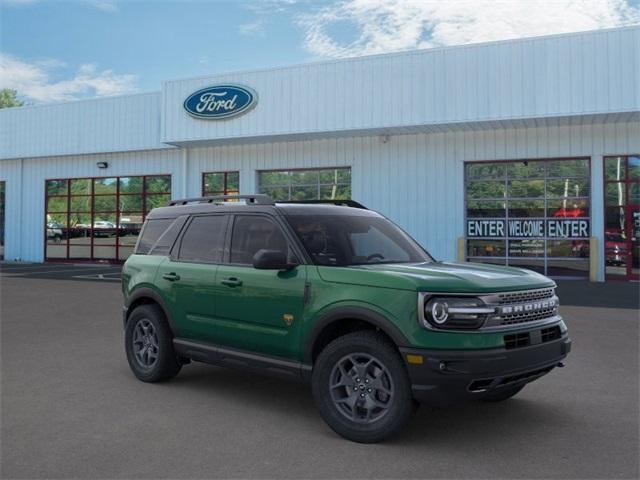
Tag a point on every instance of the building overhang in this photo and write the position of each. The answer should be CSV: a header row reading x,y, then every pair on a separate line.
x,y
498,124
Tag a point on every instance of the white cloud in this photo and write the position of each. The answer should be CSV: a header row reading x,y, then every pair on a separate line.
x,y
104,5
252,28
390,25
268,7
34,82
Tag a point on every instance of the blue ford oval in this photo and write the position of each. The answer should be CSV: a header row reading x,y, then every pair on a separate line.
x,y
220,101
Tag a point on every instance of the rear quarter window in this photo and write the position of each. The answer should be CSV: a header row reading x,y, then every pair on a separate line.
x,y
151,232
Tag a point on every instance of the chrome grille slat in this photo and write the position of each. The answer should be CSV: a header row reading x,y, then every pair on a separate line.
x,y
525,296
527,317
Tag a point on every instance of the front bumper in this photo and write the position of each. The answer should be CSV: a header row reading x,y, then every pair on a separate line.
x,y
447,377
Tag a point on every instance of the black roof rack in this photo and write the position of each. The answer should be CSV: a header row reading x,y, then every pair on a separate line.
x,y
250,199
342,203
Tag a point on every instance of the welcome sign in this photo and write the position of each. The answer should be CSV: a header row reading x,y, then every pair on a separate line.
x,y
220,102
529,228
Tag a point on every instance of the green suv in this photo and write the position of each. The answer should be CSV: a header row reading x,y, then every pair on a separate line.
x,y
338,296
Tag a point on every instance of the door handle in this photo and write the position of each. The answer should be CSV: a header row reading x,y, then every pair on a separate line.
x,y
172,277
232,282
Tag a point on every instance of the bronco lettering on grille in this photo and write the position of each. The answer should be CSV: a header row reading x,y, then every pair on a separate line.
x,y
526,307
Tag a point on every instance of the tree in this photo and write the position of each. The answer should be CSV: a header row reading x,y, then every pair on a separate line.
x,y
8,98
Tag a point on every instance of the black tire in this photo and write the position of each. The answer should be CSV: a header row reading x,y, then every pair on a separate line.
x,y
502,394
387,372
158,342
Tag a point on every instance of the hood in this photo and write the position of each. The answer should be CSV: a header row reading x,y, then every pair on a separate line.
x,y
438,277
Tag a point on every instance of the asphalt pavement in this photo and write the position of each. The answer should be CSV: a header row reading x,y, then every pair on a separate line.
x,y
71,407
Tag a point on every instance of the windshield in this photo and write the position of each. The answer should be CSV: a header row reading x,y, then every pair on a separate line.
x,y
344,240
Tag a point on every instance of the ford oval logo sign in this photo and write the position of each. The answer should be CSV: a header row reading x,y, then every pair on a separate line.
x,y
220,101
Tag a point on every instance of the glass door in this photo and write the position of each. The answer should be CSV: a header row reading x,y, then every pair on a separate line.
x,y
99,219
635,241
2,187
622,217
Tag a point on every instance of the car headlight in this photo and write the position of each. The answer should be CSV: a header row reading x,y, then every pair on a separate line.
x,y
455,313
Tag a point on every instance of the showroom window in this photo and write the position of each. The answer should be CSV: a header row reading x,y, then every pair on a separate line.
x,y
220,183
316,184
100,218
622,217
533,214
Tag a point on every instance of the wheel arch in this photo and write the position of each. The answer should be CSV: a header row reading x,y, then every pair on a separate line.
x,y
342,320
147,296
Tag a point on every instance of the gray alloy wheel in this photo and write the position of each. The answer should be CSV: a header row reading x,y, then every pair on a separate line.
x,y
361,388
145,343
148,342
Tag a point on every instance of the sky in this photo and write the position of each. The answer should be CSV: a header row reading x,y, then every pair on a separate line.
x,y
55,50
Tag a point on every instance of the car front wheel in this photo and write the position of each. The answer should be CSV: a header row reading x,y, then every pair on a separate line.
x,y
361,387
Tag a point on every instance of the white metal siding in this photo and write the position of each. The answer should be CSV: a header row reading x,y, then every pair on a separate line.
x,y
558,76
416,180
25,190
573,78
115,124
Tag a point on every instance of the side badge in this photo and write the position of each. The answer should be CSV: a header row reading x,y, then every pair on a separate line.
x,y
288,319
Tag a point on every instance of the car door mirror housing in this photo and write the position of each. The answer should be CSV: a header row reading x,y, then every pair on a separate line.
x,y
272,260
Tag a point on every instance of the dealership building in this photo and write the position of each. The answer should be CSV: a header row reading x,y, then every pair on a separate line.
x,y
522,152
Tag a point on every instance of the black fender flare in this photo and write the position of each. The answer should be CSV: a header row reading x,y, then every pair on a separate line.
x,y
351,313
149,293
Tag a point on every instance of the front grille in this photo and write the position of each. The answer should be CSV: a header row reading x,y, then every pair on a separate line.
x,y
524,297
515,318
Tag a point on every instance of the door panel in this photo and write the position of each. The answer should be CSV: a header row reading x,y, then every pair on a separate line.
x,y
259,310
188,278
190,289
255,314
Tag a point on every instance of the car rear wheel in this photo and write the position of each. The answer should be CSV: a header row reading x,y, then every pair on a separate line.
x,y
501,394
149,345
361,387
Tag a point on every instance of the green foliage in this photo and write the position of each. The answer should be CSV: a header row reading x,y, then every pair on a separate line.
x,y
8,98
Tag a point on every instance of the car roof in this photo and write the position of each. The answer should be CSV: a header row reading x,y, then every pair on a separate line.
x,y
323,209
177,208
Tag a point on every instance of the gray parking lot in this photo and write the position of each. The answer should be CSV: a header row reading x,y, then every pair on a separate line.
x,y
71,407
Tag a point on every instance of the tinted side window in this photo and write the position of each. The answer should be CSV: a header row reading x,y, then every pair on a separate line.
x,y
151,233
374,245
168,238
204,239
253,233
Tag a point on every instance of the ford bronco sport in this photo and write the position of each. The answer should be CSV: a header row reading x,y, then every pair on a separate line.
x,y
336,295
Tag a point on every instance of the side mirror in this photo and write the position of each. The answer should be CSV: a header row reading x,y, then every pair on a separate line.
x,y
272,260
